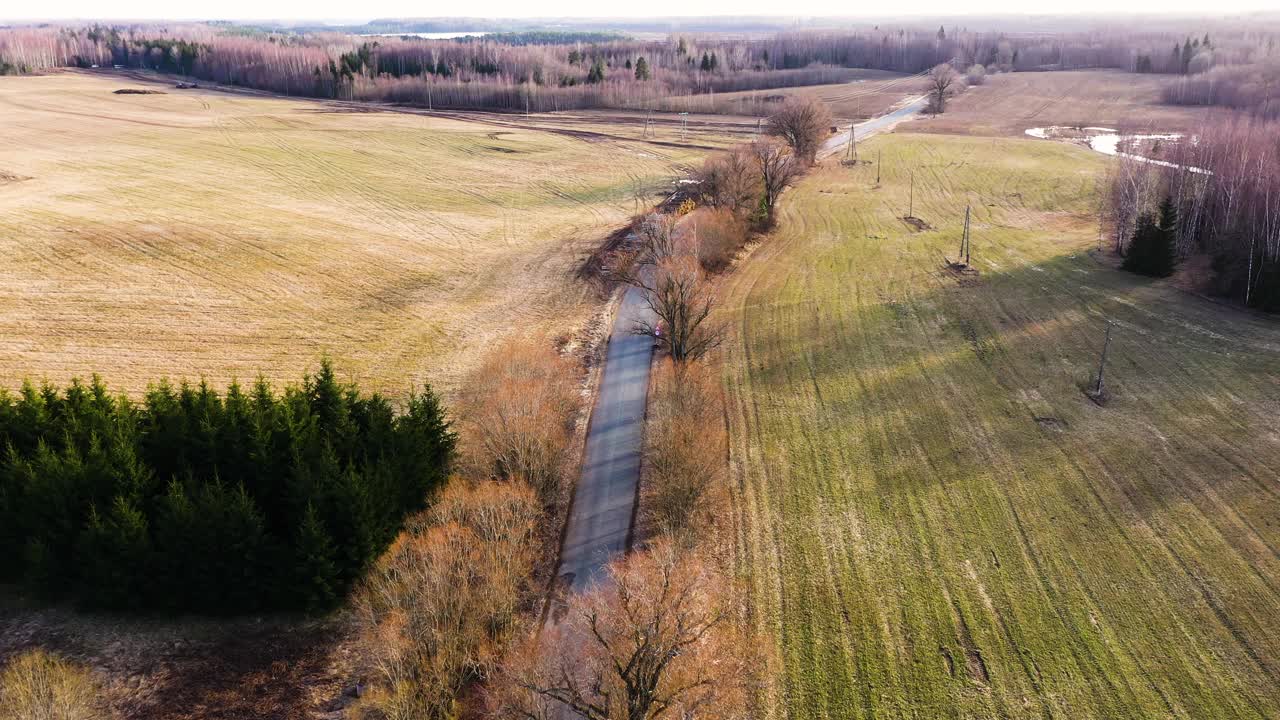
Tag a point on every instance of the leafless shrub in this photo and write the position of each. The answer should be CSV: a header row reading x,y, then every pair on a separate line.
x,y
658,639
438,608
685,450
720,234
976,74
517,416
40,686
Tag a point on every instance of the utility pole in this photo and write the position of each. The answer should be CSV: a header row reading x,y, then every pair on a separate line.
x,y
911,199
853,145
759,121
968,238
877,167
1100,388
684,120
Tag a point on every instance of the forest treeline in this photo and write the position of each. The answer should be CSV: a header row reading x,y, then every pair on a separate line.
x,y
1254,87
531,71
1218,195
195,500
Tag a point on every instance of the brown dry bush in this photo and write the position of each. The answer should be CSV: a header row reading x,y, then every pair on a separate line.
x,y
685,451
719,235
517,416
660,638
436,611
40,686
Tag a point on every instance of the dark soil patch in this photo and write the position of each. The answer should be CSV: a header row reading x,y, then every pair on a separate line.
x,y
1051,423
977,666
916,223
137,91
965,275
197,668
508,151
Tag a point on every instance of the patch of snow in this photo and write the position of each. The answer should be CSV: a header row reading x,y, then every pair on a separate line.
x,y
1107,141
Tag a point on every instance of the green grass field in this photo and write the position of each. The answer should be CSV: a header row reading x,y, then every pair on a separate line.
x,y
933,519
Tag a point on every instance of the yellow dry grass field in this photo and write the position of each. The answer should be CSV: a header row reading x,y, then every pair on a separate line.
x,y
198,233
1009,103
870,93
933,517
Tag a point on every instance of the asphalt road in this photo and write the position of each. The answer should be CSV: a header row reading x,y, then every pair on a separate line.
x,y
604,499
605,496
840,140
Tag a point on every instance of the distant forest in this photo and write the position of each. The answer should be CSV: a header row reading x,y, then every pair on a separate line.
x,y
555,70
195,500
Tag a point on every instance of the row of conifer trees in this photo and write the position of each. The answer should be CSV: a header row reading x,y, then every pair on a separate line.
x,y
195,500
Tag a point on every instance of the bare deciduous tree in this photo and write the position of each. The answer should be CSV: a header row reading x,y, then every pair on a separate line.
x,y
778,169
939,83
731,181
664,265
681,297
655,641
803,123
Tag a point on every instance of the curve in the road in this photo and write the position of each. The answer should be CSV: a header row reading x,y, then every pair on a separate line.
x,y
604,499
875,125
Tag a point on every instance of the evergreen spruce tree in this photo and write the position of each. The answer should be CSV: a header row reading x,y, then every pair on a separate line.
x,y
642,69
1138,257
192,501
597,73
313,562
114,553
1164,253
706,63
1153,248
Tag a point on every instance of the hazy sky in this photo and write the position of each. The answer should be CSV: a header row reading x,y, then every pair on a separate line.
x,y
334,10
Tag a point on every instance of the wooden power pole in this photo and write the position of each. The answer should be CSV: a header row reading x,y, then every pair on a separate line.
x,y
877,167
911,198
1100,388
964,238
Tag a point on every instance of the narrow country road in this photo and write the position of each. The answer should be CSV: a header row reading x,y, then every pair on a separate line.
x,y
870,127
604,499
